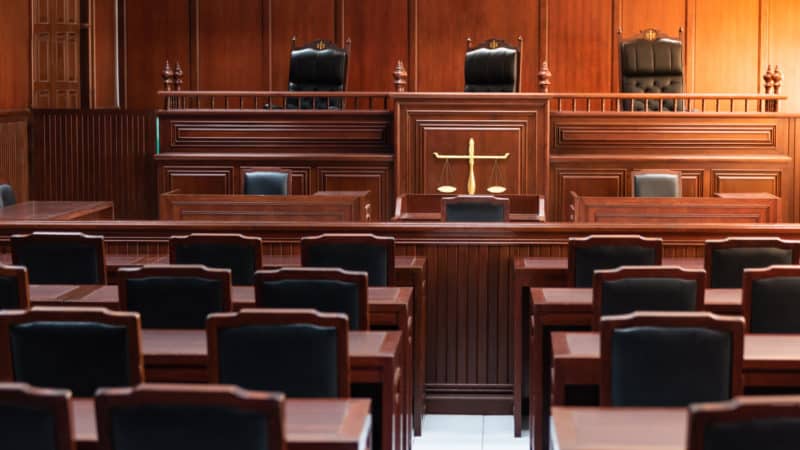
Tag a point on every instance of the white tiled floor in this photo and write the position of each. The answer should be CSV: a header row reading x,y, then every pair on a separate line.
x,y
445,432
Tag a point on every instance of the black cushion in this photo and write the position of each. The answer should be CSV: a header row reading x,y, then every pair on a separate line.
x,y
322,295
475,212
9,293
669,366
7,197
24,428
299,360
775,305
727,264
652,67
63,263
656,185
266,183
589,259
238,258
491,70
778,433
648,294
188,427
174,302
80,356
317,70
358,257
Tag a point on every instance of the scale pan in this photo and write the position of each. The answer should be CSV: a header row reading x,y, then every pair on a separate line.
x,y
496,189
445,189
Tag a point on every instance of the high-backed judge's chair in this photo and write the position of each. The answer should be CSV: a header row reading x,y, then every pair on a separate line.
x,y
492,66
317,66
651,63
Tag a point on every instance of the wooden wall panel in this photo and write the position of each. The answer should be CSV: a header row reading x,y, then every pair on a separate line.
x,y
379,32
104,39
781,34
15,55
14,152
668,16
56,69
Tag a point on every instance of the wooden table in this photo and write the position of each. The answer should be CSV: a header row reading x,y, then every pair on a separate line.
x,y
589,428
38,210
181,356
310,424
546,272
553,309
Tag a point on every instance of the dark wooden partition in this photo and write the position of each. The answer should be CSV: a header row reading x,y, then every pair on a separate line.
x,y
15,152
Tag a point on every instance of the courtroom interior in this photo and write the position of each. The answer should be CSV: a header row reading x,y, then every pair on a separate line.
x,y
399,224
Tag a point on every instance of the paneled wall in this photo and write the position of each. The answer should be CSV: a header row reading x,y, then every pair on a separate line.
x,y
56,53
14,152
15,55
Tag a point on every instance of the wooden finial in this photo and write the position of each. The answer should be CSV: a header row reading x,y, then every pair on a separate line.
x,y
167,75
178,76
400,75
768,81
544,78
777,80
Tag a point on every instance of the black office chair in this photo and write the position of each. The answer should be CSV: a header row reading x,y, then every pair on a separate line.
x,y
357,252
266,181
174,297
35,419
475,208
301,352
317,66
656,184
771,299
651,63
60,258
197,417
241,254
585,255
322,289
7,196
14,290
492,66
726,259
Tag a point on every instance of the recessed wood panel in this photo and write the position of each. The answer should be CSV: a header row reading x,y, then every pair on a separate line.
x,y
747,182
104,76
376,180
15,55
598,183
199,180
379,32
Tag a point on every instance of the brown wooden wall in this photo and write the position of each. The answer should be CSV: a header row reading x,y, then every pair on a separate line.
x,y
15,152
15,55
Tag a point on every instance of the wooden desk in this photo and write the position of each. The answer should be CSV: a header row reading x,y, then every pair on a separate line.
x,y
181,356
584,428
310,424
38,210
427,207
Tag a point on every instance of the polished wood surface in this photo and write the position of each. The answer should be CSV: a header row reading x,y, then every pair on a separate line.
x,y
327,207
15,149
15,80
47,210
427,207
310,424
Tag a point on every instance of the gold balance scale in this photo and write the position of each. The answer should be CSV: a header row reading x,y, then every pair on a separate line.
x,y
495,181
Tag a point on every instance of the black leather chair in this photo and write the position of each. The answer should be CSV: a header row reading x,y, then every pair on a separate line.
x,y
357,252
646,288
76,349
771,299
182,416
318,66
608,252
174,297
475,208
60,258
35,419
322,289
670,359
656,184
14,290
266,181
241,254
651,63
745,423
301,352
492,66
7,197
725,259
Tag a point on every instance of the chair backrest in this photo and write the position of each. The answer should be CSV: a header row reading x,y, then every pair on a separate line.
x,y
646,288
241,254
357,252
301,352
319,65
60,258
197,417
79,349
266,181
14,290
7,196
745,423
35,419
771,299
174,297
609,252
492,66
651,63
670,359
323,289
660,183
475,208
726,259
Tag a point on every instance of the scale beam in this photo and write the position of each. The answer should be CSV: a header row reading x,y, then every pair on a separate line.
x,y
471,157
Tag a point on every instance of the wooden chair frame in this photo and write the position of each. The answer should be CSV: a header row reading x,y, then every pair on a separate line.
x,y
315,45
493,43
676,173
656,244
129,320
318,273
61,237
270,404
247,317
353,239
176,270
218,238
751,275
731,324
620,273
250,169
746,242
20,273
476,199
55,402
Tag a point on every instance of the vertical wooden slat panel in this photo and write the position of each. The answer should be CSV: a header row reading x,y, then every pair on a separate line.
x,y
14,152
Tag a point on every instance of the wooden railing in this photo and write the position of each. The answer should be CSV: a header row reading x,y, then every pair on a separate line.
x,y
700,103
283,101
